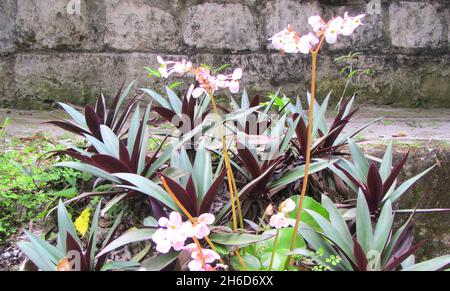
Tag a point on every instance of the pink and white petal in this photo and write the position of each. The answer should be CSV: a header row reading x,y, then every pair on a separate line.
x,y
237,74
163,246
234,87
206,218
201,230
195,266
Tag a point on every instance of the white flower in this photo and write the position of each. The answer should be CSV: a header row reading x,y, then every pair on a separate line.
x,y
201,229
287,206
333,30
280,220
307,42
351,23
172,234
202,259
317,23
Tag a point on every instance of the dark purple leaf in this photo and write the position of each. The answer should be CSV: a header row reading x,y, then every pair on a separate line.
x,y
394,174
374,187
182,195
360,256
111,164
210,196
249,162
93,122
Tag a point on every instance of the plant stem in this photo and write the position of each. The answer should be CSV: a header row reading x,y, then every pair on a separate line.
x,y
308,149
231,181
272,258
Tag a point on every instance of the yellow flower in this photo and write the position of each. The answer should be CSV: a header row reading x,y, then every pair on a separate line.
x,y
82,222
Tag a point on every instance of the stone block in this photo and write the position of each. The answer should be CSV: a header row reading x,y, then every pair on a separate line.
x,y
221,26
134,25
416,24
58,24
7,21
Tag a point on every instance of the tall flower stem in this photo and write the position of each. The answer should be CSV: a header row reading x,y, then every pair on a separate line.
x,y
274,247
230,176
314,55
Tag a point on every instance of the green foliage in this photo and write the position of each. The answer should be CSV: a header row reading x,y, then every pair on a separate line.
x,y
28,190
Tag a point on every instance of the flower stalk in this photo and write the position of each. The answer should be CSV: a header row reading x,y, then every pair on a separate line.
x,y
272,257
314,55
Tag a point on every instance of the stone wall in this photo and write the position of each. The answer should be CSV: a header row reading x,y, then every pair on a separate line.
x,y
50,53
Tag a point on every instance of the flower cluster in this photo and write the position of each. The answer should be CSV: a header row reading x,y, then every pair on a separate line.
x,y
208,82
202,259
174,232
289,41
280,220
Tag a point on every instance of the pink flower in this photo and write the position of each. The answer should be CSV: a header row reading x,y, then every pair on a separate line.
x,y
202,259
172,234
333,30
280,220
288,206
286,40
201,229
317,23
307,42
351,23
168,68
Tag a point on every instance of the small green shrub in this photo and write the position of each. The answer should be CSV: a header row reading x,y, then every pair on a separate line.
x,y
26,190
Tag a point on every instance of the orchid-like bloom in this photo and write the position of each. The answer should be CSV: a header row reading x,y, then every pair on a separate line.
x,y
280,220
333,29
286,40
289,41
317,23
208,83
173,233
307,42
351,23
201,228
203,260
168,68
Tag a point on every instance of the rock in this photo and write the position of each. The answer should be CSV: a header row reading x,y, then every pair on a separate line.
x,y
416,24
7,83
56,25
7,20
135,25
77,78
278,14
221,26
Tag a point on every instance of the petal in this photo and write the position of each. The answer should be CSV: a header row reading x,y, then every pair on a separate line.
x,y
206,218
201,231
195,266
163,221
237,74
175,219
163,246
178,246
234,87
160,60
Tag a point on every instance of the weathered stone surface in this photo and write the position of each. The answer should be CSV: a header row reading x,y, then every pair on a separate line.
x,y
136,25
43,79
221,26
416,24
55,25
7,22
278,14
6,80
